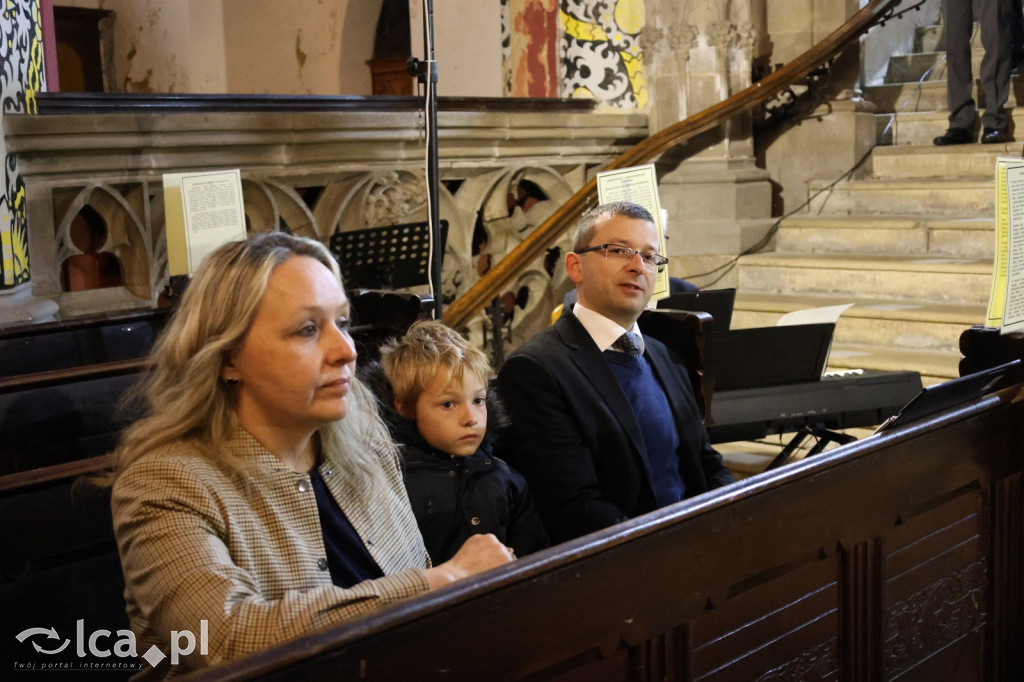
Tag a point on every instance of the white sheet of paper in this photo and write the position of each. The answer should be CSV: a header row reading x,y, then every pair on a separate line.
x,y
829,313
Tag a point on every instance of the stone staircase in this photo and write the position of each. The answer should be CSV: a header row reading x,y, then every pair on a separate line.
x,y
910,245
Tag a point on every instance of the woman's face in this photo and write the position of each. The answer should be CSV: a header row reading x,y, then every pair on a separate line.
x,y
296,363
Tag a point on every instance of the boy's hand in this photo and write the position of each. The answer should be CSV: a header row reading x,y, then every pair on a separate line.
x,y
478,554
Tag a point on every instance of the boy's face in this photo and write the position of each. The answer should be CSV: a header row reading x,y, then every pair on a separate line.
x,y
452,417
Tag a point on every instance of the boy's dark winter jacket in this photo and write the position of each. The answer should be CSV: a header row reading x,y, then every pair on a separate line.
x,y
456,497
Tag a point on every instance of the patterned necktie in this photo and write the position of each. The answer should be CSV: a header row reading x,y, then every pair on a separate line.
x,y
628,344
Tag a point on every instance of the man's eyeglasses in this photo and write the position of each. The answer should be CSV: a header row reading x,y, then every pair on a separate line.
x,y
651,261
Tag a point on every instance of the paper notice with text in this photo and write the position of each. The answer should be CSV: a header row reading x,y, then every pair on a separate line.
x,y
1013,289
638,185
203,211
997,294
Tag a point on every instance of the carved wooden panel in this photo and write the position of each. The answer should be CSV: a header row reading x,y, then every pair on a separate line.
x,y
793,618
935,603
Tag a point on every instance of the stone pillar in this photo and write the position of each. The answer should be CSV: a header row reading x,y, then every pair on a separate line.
x,y
718,201
20,80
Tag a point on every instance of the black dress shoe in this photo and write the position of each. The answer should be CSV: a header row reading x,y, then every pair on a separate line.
x,y
954,136
994,136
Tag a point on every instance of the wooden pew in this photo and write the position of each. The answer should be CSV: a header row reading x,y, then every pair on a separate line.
x,y
688,334
81,342
897,556
61,385
59,565
64,415
65,403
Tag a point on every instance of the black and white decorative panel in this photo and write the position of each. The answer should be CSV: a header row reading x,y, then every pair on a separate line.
x,y
601,52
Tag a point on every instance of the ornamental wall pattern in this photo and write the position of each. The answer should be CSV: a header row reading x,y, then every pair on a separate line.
x,y
22,77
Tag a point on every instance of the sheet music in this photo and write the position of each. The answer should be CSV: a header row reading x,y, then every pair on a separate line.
x,y
823,315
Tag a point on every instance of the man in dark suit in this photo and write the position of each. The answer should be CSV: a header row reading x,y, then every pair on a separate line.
x,y
605,425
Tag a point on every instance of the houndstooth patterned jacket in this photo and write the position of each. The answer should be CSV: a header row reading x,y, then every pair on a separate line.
x,y
245,552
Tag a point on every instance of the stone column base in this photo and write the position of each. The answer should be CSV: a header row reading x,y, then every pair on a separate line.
x,y
828,143
716,209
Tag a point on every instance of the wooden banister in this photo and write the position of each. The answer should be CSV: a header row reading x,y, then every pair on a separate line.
x,y
501,275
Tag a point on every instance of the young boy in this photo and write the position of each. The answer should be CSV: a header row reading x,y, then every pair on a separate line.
x,y
457,486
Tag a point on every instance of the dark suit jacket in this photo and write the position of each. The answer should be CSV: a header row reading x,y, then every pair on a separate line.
x,y
576,440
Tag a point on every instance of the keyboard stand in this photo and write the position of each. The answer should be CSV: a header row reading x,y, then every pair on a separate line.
x,y
823,436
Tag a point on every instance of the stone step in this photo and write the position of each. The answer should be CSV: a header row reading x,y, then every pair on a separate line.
x,y
926,66
933,38
930,161
913,235
887,234
921,325
852,234
933,366
936,196
919,128
886,277
902,97
929,95
930,38
917,66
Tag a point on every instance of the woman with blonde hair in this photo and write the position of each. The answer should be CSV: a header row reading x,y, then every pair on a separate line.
x,y
260,498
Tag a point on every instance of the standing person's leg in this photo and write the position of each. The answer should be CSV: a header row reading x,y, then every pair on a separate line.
x,y
958,24
995,17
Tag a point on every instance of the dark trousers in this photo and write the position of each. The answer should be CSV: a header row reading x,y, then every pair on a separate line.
x,y
996,19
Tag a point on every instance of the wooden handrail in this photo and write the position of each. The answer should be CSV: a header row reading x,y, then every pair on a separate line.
x,y
501,275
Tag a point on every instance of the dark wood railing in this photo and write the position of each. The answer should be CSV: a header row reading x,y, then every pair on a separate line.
x,y
505,271
898,556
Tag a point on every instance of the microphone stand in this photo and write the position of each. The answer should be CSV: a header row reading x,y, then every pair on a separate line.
x,y
426,74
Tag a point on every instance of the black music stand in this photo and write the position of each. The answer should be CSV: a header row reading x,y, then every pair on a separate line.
x,y
939,397
716,302
770,356
776,356
393,257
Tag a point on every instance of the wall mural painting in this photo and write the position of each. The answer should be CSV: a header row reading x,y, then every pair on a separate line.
x,y
601,53
21,52
530,36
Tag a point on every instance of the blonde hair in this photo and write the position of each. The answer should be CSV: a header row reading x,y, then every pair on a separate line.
x,y
411,362
184,395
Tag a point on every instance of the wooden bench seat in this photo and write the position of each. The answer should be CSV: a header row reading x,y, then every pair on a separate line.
x,y
59,564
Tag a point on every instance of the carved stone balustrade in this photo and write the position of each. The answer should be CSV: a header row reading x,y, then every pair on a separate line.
x,y
313,166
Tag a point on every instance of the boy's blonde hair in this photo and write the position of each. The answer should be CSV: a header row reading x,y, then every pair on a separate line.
x,y
412,361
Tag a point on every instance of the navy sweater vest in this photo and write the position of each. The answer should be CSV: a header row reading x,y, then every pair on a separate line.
x,y
657,425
